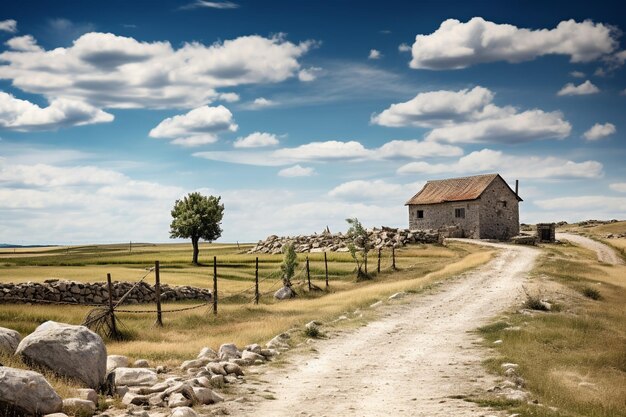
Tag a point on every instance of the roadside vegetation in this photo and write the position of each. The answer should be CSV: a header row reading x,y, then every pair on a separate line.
x,y
573,357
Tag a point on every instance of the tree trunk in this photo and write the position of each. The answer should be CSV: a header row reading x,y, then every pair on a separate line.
x,y
196,250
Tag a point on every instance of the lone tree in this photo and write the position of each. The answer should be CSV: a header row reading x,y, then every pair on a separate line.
x,y
197,217
289,264
359,247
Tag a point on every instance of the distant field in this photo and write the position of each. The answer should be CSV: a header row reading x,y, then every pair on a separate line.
x,y
239,321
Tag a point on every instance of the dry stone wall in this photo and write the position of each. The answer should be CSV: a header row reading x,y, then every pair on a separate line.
x,y
95,293
338,242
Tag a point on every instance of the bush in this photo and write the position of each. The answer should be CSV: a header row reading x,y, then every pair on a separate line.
x,y
312,332
591,293
535,303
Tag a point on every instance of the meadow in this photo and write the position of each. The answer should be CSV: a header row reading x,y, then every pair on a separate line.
x,y
238,319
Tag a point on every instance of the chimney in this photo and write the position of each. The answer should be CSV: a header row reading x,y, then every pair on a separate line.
x,y
517,188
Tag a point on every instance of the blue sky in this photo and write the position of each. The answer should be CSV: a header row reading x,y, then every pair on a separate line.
x,y
300,114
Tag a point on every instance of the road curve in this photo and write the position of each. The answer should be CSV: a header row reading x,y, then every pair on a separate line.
x,y
410,362
605,253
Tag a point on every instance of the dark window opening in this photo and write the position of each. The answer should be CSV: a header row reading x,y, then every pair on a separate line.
x,y
459,213
420,214
503,203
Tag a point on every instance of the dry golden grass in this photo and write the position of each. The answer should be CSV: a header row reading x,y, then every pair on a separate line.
x,y
573,359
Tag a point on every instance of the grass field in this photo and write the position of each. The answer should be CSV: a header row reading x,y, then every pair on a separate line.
x,y
238,321
573,359
600,231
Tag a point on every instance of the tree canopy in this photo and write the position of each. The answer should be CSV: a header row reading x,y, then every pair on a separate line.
x,y
197,217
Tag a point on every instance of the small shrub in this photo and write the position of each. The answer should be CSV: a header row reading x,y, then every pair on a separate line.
x,y
591,293
535,303
312,332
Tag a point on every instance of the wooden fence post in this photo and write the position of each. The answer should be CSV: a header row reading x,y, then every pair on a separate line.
x,y
215,285
326,268
157,291
111,309
378,268
393,258
308,274
256,281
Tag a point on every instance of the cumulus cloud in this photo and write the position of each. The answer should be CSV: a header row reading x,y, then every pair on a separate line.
x,y
110,71
587,202
469,116
24,116
24,43
296,171
308,74
404,47
577,74
457,45
374,54
351,151
8,25
585,88
375,190
44,175
229,97
513,166
256,140
260,103
618,186
599,131
197,127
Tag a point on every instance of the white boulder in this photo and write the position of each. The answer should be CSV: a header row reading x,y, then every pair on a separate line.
x,y
183,412
9,339
134,377
117,361
229,351
68,350
78,406
28,392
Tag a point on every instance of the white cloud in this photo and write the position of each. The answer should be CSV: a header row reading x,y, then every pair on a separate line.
x,y
585,88
404,47
110,71
296,171
374,54
511,166
352,151
586,202
22,115
8,25
375,190
210,5
197,127
577,74
308,74
469,116
260,103
618,186
229,97
44,175
458,45
256,140
24,43
599,131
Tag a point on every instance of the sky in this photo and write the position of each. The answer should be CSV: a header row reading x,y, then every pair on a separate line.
x,y
300,114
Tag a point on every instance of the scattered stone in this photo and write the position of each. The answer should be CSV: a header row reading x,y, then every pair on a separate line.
x,y
28,392
218,381
141,363
284,293
376,304
135,399
251,356
177,399
216,368
194,363
398,296
233,368
56,415
133,377
497,342
78,406
73,351
160,387
206,396
229,351
208,353
509,365
183,412
254,348
116,361
88,394
121,390
9,339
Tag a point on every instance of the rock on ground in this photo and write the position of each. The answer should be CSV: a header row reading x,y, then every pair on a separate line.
x,y
72,351
28,392
78,406
284,293
229,351
133,377
9,339
183,412
117,361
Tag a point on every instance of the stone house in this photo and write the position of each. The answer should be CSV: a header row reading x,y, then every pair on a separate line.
x,y
480,207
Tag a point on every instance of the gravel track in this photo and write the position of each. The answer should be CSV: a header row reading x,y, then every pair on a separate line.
x,y
410,361
605,253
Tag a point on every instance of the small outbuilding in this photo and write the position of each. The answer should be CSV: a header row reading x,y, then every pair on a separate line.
x,y
480,207
546,232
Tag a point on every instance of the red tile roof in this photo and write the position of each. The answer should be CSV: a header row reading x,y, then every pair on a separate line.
x,y
454,189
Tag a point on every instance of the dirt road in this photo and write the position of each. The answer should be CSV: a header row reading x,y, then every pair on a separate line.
x,y
605,253
411,361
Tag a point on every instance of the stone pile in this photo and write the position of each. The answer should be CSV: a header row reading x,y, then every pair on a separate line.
x,y
385,237
95,293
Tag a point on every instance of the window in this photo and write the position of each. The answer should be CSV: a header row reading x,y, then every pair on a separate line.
x,y
503,203
420,214
459,213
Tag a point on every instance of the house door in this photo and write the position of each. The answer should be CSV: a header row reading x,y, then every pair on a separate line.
x,y
545,235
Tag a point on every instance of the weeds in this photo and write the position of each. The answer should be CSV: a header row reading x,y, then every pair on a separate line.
x,y
312,332
591,293
535,303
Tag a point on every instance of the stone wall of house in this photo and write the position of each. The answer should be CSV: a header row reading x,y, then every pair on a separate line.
x,y
95,293
440,216
499,212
